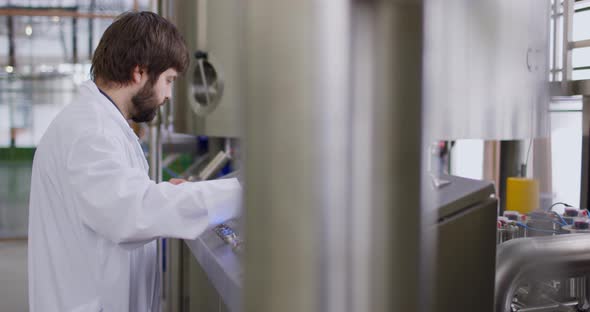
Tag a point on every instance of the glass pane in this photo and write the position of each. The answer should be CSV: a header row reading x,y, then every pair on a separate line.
x,y
581,29
581,57
467,159
581,74
566,154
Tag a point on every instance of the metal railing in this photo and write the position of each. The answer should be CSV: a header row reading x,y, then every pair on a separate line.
x,y
566,9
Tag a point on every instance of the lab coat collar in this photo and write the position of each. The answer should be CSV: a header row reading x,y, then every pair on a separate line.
x,y
107,106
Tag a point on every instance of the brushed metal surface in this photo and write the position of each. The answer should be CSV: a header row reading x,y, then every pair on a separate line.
x,y
309,120
486,68
213,27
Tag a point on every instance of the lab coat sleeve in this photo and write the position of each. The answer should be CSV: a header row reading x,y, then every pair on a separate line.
x,y
122,204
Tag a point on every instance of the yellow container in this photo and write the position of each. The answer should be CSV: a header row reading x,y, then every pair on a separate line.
x,y
522,194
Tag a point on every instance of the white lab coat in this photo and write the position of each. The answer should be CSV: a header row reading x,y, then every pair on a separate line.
x,y
95,214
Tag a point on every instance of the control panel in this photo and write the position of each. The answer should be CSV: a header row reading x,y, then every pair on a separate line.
x,y
226,232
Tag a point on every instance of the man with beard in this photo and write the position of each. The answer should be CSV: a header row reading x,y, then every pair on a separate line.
x,y
94,213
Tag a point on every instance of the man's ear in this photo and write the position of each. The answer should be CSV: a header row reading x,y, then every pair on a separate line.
x,y
138,74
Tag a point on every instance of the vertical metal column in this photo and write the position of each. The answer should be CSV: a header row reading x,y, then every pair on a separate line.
x,y
74,40
282,169
585,176
175,283
155,148
91,9
11,43
568,24
397,132
361,176
319,240
155,172
554,18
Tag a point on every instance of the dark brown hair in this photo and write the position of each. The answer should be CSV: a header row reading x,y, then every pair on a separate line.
x,y
142,39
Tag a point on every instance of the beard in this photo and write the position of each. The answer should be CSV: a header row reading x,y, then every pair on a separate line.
x,y
145,104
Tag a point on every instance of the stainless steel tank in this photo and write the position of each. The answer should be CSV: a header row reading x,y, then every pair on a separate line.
x,y
207,98
486,68
338,99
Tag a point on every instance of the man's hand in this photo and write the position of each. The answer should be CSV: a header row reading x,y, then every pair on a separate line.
x,y
177,181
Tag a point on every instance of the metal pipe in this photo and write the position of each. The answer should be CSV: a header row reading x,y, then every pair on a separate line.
x,y
580,289
540,258
155,173
214,166
171,281
11,44
53,12
75,40
554,24
92,8
579,44
153,156
201,33
568,23
549,307
585,176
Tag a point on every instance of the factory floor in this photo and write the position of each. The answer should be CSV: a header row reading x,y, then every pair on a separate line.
x,y
13,276
15,185
14,192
